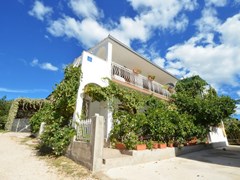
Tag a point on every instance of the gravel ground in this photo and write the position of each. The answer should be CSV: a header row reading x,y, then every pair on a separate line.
x,y
19,162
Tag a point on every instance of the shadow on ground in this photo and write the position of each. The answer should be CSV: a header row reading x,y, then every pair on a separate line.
x,y
228,156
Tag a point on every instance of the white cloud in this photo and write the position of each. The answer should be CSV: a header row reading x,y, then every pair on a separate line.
x,y
85,8
22,90
159,61
217,3
164,14
218,64
230,31
45,66
209,21
237,109
139,4
40,11
34,62
126,30
80,30
238,93
237,2
151,15
48,66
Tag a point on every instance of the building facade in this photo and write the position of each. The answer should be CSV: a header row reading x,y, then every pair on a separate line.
x,y
112,59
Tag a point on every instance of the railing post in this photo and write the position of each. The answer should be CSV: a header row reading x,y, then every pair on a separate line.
x,y
97,140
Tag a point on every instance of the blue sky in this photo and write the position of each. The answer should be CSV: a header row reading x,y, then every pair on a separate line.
x,y
187,37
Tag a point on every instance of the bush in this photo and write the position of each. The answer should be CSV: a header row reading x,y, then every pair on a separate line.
x,y
4,110
58,113
43,115
232,127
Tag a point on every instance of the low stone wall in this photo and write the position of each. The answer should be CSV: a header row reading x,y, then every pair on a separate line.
x,y
81,153
90,153
144,156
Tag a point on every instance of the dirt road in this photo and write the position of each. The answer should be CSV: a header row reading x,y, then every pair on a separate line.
x,y
19,162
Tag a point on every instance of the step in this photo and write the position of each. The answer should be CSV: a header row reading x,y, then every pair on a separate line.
x,y
114,153
123,160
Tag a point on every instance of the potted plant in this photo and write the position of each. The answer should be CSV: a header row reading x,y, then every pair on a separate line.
x,y
130,140
193,141
137,71
151,77
141,145
155,145
162,145
170,143
120,146
149,144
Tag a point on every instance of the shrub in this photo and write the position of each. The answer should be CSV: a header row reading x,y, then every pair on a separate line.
x,y
42,116
4,109
58,113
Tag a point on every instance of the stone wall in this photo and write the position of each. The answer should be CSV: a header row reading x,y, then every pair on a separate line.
x,y
90,153
80,152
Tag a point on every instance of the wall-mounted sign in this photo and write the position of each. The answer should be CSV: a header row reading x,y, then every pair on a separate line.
x,y
89,59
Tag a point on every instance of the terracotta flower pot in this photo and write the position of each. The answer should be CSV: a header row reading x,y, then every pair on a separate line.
x,y
162,145
151,78
136,71
120,146
170,145
155,145
141,147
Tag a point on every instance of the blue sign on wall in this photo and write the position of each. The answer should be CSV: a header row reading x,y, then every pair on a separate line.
x,y
89,59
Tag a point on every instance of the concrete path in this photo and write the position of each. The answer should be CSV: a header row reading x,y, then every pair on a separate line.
x,y
19,162
213,164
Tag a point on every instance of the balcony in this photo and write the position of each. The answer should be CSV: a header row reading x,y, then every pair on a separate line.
x,y
127,77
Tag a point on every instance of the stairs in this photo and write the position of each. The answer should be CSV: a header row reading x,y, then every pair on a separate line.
x,y
116,158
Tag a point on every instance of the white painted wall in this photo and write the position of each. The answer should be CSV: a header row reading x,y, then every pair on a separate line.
x,y
94,69
218,134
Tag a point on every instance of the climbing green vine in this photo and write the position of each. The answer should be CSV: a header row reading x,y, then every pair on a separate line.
x,y
23,108
57,114
137,116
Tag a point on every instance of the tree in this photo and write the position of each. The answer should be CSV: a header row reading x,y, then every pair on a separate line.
x,y
204,104
4,109
232,127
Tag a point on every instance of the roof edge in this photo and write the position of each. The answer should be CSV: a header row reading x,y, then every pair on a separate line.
x,y
136,53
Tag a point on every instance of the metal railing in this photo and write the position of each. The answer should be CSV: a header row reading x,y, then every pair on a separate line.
x,y
83,129
126,75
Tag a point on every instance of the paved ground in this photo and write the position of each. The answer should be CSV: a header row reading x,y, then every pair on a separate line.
x,y
211,164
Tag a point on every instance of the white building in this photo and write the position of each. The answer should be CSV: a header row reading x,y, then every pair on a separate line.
x,y
112,59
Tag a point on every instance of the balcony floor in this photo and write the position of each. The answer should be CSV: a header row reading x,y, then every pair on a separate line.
x,y
146,91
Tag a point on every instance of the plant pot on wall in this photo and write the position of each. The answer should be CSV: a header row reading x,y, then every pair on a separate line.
x,y
155,145
141,147
120,146
162,145
151,77
170,145
136,71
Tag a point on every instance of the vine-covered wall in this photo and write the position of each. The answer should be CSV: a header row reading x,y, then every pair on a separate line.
x,y
137,116
58,113
23,108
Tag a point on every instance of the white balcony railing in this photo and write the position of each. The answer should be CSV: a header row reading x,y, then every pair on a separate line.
x,y
121,73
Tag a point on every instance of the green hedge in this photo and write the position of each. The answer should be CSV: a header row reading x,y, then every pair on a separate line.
x,y
23,108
